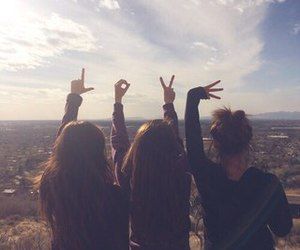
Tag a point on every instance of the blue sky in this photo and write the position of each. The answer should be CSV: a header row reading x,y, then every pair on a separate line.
x,y
251,45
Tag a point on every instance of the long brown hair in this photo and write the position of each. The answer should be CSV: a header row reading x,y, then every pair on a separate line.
x,y
158,182
72,187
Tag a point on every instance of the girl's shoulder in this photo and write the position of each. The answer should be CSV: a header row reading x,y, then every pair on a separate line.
x,y
258,173
258,177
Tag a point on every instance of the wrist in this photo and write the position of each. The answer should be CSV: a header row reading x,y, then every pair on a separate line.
x,y
118,99
74,93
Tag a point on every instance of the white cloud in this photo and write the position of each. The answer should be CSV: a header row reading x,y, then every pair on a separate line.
x,y
244,5
109,4
31,39
296,29
204,46
226,44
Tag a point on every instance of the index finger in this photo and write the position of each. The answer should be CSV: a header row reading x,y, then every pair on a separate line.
x,y
82,74
120,82
171,82
212,84
162,82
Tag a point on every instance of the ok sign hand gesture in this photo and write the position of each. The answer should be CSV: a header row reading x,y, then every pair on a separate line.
x,y
121,88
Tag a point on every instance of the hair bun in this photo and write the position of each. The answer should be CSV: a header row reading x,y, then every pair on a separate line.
x,y
231,130
239,114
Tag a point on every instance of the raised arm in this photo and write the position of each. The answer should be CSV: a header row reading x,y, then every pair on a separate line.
x,y
119,136
169,111
74,101
194,141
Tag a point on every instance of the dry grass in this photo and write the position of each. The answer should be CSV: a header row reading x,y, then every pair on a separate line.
x,y
21,230
23,234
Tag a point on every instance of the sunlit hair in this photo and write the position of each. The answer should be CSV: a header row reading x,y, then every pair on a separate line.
x,y
231,132
73,185
158,182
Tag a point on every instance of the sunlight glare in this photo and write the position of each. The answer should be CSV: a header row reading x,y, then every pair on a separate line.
x,y
10,10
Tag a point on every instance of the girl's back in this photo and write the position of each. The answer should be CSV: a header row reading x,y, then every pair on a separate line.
x,y
106,230
161,234
241,213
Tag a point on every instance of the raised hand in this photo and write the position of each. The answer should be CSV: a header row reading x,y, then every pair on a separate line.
x,y
169,93
209,89
121,88
77,86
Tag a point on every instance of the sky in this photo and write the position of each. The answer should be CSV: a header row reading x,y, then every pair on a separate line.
x,y
252,46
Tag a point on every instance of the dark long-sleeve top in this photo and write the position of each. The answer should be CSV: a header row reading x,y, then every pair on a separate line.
x,y
113,232
237,214
71,110
120,144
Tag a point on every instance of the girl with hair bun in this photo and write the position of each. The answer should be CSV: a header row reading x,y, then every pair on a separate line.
x,y
242,205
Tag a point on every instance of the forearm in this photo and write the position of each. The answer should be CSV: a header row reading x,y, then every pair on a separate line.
x,y
171,116
71,110
193,132
119,139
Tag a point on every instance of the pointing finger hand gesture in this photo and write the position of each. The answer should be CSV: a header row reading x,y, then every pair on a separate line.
x,y
77,86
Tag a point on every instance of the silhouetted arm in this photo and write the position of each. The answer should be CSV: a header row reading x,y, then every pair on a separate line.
x,y
119,142
71,110
171,116
194,141
74,101
119,136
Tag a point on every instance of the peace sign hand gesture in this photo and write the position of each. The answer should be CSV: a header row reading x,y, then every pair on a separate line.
x,y
169,93
77,86
209,88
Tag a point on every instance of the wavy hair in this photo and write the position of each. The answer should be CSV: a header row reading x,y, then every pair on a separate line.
x,y
73,185
158,182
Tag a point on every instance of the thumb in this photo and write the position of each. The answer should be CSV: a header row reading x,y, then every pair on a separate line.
x,y
88,89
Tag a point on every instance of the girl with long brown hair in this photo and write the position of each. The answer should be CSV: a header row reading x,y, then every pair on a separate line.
x,y
78,198
242,204
153,172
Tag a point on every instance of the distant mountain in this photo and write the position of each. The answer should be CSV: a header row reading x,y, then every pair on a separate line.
x,y
280,115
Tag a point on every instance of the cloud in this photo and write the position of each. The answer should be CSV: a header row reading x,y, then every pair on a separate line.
x,y
197,40
109,4
32,39
204,46
296,29
244,5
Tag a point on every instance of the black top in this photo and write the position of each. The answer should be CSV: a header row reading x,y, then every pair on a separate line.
x,y
237,214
